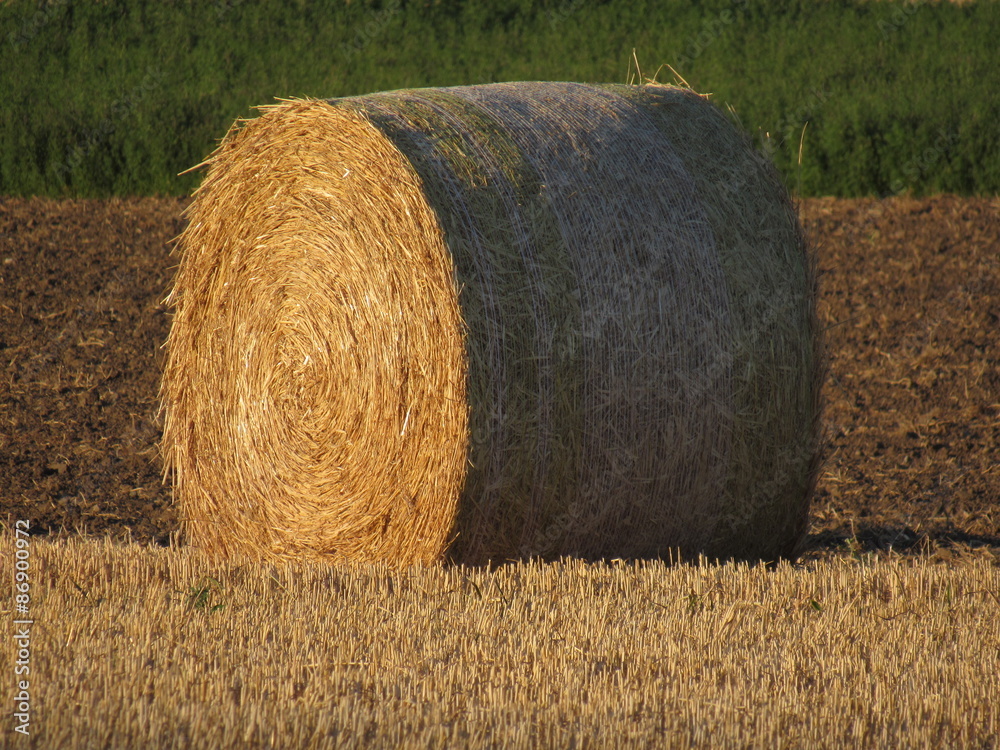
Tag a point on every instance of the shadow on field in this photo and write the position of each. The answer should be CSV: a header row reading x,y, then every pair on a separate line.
x,y
868,539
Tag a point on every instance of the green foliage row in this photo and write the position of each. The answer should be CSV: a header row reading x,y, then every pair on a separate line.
x,y
102,97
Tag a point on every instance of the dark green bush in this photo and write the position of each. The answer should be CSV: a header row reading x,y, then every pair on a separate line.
x,y
118,97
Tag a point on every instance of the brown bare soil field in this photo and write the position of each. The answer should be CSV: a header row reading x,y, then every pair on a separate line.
x,y
910,299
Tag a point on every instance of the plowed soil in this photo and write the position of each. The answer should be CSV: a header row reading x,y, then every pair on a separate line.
x,y
909,299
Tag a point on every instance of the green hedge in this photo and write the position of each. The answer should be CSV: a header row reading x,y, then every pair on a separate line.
x,y
118,97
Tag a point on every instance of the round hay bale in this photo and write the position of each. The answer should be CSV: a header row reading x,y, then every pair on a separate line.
x,y
492,322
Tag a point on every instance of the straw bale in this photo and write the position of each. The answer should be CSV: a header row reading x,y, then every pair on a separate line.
x,y
492,322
